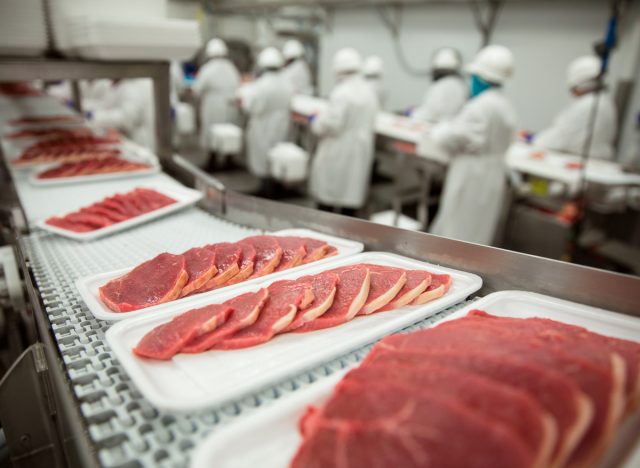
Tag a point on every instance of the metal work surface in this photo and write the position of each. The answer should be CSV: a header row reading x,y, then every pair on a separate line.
x,y
122,426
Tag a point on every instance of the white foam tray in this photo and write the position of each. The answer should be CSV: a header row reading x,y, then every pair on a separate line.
x,y
184,197
88,286
274,432
192,382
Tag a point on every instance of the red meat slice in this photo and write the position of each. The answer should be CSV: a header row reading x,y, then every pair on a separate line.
x,y
63,223
164,341
351,294
516,410
122,204
597,383
201,267
383,425
153,282
268,254
293,252
386,283
558,395
227,258
101,210
285,299
97,221
439,286
324,291
417,282
152,197
316,249
246,310
246,264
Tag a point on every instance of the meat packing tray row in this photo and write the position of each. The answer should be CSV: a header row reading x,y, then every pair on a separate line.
x,y
275,432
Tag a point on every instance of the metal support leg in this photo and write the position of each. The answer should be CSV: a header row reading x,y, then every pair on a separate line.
x,y
423,200
161,91
76,95
397,192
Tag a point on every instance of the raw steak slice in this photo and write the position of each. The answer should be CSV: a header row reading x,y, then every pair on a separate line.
x,y
439,286
316,249
384,425
63,223
164,341
293,252
324,291
598,384
227,258
97,221
100,210
417,282
246,264
246,309
331,251
152,197
351,294
386,283
153,282
126,205
559,396
516,410
576,337
268,254
201,267
285,298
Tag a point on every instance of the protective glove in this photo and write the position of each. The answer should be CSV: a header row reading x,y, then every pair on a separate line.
x,y
312,117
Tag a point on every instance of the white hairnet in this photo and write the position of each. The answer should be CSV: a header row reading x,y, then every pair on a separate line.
x,y
373,65
583,71
270,58
347,60
216,48
292,49
493,63
446,58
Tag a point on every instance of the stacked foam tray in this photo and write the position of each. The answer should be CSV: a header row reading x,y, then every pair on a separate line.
x,y
22,27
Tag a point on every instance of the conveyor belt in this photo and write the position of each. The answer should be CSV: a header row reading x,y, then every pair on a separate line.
x,y
124,428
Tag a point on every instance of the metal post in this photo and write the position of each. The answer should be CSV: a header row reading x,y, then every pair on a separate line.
x,y
163,122
76,95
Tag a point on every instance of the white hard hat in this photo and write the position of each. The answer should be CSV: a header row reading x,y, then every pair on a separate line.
x,y
493,63
270,58
583,70
292,49
216,48
347,60
373,66
446,59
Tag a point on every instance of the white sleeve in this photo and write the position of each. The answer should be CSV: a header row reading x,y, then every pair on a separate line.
x,y
466,133
566,128
330,120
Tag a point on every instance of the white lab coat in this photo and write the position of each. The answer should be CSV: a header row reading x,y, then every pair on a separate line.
x,y
130,108
443,100
475,185
267,106
216,85
378,89
569,129
341,168
299,75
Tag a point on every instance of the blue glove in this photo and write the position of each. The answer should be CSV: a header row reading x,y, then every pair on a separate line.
x,y
408,111
88,115
173,114
312,117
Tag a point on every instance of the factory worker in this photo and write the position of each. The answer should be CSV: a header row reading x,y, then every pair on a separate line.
x,y
341,169
372,70
569,130
448,91
129,108
267,107
296,69
477,140
216,86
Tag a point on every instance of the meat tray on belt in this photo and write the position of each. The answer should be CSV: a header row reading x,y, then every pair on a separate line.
x,y
106,165
327,299
479,391
69,149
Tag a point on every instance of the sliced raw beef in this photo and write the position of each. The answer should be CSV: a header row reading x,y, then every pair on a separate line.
x,y
151,283
417,282
164,341
285,298
227,258
584,342
293,252
351,294
100,210
516,410
246,310
246,264
386,283
63,223
121,203
97,221
559,396
201,267
324,291
439,286
385,425
316,249
598,384
154,198
268,254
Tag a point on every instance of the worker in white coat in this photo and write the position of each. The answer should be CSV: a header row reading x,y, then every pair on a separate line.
x,y
296,68
129,108
477,140
448,92
570,129
267,108
341,168
216,86
373,71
